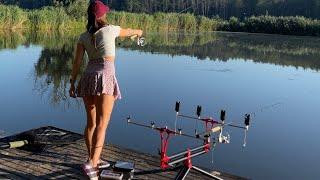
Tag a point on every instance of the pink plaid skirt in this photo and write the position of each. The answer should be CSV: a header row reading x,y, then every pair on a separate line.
x,y
99,78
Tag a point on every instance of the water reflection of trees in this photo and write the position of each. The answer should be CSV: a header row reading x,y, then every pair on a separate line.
x,y
53,69
278,50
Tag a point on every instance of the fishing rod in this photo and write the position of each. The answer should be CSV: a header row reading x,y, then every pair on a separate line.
x,y
216,126
2,133
37,141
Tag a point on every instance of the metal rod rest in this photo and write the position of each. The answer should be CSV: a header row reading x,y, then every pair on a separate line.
x,y
184,152
173,132
217,122
182,159
183,156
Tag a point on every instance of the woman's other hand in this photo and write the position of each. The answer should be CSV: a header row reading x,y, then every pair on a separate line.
x,y
72,92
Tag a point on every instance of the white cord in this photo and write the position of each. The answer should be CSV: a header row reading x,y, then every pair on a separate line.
x,y
245,138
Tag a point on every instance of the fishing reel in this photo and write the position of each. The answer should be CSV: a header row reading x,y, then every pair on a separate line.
x,y
140,40
224,139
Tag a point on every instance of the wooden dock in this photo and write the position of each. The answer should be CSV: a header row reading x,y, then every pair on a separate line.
x,y
63,162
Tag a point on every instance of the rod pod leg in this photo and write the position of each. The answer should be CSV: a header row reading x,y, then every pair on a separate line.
x,y
182,173
206,173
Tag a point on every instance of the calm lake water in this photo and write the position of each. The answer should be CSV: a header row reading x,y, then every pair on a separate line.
x,y
275,77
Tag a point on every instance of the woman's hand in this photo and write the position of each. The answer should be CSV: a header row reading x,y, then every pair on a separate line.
x,y
72,92
139,32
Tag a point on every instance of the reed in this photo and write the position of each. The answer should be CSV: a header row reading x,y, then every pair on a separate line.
x,y
73,18
12,17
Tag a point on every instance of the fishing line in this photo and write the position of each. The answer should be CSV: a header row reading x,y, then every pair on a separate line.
x,y
212,149
267,107
2,133
245,139
199,108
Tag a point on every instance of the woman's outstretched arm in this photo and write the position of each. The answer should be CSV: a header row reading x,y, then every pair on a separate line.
x,y
130,32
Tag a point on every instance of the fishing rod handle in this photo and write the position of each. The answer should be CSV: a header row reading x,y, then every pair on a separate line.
x,y
16,144
133,37
222,115
199,108
13,144
247,120
216,129
177,108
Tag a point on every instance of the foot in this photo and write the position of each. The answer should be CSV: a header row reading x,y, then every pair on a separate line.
x,y
90,171
103,164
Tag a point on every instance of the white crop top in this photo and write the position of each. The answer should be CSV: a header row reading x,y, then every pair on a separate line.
x,y
105,42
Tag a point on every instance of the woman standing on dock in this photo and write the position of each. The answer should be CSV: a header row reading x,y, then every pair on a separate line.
x,y
98,85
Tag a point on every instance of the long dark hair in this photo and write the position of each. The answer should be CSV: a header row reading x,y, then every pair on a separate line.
x,y
93,24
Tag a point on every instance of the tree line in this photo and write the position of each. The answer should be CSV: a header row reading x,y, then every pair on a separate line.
x,y
223,8
210,8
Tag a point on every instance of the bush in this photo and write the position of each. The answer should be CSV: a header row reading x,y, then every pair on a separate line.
x,y
187,22
205,24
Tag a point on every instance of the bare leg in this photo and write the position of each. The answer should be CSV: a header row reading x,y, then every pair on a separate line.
x,y
104,106
89,102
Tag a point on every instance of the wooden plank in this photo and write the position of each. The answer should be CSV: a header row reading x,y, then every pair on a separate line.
x,y
139,158
114,157
41,166
63,162
15,170
6,173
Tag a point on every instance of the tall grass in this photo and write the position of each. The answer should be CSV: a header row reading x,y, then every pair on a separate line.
x,y
74,18
12,17
60,18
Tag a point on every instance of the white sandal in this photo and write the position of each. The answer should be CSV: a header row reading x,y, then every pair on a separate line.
x,y
90,171
103,164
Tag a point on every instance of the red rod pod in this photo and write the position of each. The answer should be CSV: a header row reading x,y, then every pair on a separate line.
x,y
188,162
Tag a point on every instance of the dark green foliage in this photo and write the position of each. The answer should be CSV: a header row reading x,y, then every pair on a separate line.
x,y
274,25
223,8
